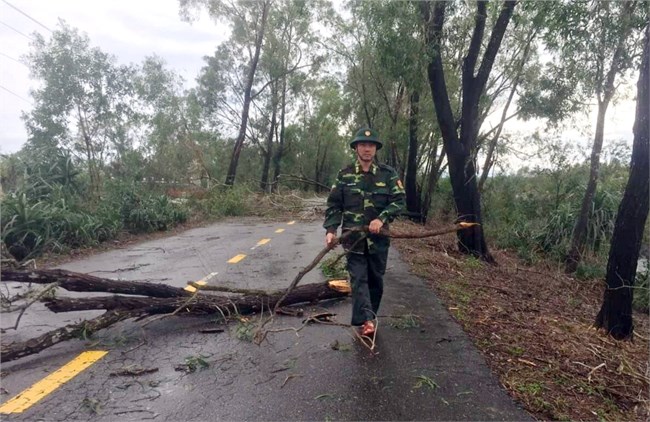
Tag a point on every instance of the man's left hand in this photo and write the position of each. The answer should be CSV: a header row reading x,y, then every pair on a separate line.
x,y
375,226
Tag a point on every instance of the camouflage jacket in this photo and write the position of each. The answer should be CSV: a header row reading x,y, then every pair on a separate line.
x,y
357,198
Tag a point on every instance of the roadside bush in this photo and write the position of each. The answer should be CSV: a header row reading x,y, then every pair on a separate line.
x,y
33,224
225,201
535,213
31,227
142,212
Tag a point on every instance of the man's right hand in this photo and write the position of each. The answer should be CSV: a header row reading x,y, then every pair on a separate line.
x,y
330,238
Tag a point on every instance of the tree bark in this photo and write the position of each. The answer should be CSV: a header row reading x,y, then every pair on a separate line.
x,y
413,203
250,79
615,314
574,255
78,282
268,152
16,350
120,308
277,158
461,148
202,304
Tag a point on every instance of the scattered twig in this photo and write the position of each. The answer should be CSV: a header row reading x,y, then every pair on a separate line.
x,y
211,330
290,376
133,372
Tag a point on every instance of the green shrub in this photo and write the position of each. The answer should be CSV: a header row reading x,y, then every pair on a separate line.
x,y
590,271
225,201
534,212
32,226
142,212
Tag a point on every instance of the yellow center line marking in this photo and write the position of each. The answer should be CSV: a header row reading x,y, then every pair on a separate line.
x,y
42,388
291,222
201,282
235,259
261,242
279,230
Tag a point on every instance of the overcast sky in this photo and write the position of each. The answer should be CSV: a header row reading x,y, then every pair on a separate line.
x,y
134,29
129,30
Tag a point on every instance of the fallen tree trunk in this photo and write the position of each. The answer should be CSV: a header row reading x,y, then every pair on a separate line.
x,y
16,350
200,305
125,307
78,282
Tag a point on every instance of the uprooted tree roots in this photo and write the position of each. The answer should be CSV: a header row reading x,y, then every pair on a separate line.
x,y
137,299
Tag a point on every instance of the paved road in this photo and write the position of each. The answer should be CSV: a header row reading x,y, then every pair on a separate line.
x,y
429,372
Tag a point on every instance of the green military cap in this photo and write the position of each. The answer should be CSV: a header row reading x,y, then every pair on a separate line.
x,y
366,135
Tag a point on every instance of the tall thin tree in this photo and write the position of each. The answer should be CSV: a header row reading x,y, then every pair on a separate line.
x,y
615,314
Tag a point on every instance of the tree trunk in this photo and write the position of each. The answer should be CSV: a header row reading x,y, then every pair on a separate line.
x,y
78,282
462,148
120,308
615,314
412,195
435,170
580,229
268,153
280,150
201,305
250,79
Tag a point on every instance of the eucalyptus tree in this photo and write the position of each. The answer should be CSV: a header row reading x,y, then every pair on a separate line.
x,y
396,36
84,104
171,145
460,136
319,149
600,46
248,20
593,46
290,57
382,47
615,314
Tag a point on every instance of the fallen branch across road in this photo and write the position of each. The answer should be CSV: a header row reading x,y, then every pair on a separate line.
x,y
260,335
364,229
166,300
138,299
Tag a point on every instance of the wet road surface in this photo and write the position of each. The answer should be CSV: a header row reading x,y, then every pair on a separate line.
x,y
321,372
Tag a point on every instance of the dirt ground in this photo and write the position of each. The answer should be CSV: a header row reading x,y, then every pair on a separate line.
x,y
535,327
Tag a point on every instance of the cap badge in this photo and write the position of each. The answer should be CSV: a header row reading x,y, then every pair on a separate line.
x,y
367,133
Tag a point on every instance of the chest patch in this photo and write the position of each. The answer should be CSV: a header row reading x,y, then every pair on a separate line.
x,y
380,184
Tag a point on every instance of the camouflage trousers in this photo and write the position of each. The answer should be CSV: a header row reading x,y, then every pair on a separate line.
x,y
367,280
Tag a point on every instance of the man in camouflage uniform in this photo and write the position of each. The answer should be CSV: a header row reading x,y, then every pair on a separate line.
x,y
365,194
